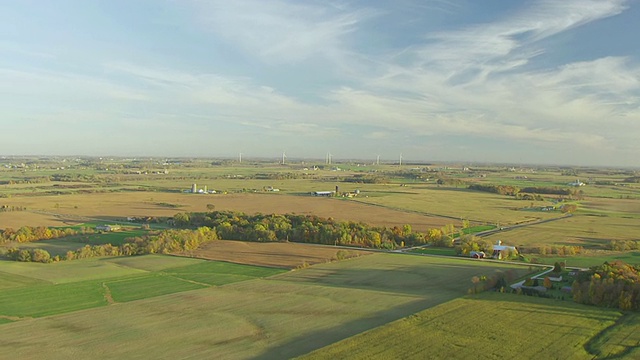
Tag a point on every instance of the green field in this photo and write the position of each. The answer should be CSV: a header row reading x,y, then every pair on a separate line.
x,y
598,258
148,286
492,326
281,316
37,290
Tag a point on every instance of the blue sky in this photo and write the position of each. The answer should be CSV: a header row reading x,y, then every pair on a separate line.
x,y
551,82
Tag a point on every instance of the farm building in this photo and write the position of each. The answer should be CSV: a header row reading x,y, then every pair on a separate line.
x,y
323,193
500,251
108,227
477,254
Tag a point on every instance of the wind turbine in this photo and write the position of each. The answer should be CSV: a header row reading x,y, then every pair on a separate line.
x,y
240,157
284,156
400,159
328,158
378,160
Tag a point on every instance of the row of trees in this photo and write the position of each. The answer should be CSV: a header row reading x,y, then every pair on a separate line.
x,y
28,233
309,229
165,242
624,245
561,250
514,190
613,285
496,189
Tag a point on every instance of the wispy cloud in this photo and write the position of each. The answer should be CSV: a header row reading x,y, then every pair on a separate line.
x,y
281,31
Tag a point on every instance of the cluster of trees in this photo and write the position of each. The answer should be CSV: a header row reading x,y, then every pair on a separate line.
x,y
496,189
613,285
8,208
27,180
367,179
165,242
29,255
73,177
308,229
529,197
521,193
550,191
499,281
28,233
468,243
623,245
561,250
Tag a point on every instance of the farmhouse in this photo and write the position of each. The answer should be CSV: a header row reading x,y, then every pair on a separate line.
x,y
499,250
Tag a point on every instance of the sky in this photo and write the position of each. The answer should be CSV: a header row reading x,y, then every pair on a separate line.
x,y
501,81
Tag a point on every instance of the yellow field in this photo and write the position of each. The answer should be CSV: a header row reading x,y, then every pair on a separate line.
x,y
576,230
78,207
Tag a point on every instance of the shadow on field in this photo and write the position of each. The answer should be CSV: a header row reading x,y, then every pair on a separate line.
x,y
425,280
309,342
528,305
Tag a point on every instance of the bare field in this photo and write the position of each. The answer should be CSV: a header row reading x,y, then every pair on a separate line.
x,y
285,255
121,205
16,219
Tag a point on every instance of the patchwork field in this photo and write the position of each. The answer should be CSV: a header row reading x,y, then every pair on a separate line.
x,y
280,316
284,255
458,203
495,326
37,290
79,208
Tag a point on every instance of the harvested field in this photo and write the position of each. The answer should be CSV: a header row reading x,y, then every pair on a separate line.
x,y
583,230
284,255
78,208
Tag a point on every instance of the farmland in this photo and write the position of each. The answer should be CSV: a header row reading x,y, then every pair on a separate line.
x,y
545,329
234,299
284,255
277,316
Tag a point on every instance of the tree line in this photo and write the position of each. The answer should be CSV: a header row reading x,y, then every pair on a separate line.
x,y
310,229
29,233
164,242
613,285
514,190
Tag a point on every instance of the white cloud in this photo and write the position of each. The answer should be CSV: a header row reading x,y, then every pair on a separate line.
x,y
281,31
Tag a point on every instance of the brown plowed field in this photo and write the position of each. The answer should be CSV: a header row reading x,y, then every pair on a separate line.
x,y
121,205
283,255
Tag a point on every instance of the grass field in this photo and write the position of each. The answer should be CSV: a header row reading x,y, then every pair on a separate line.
x,y
592,259
36,290
281,316
490,326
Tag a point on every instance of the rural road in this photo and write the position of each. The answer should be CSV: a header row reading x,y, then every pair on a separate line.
x,y
503,229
